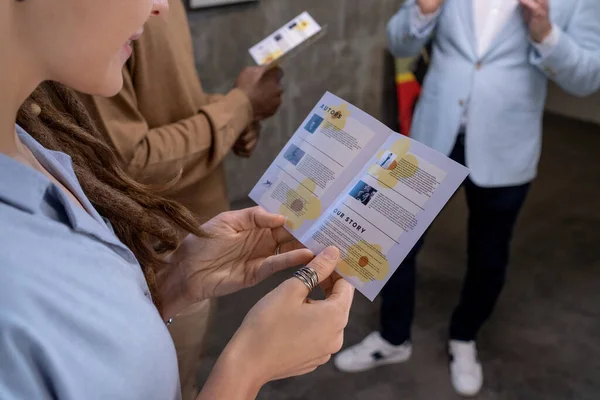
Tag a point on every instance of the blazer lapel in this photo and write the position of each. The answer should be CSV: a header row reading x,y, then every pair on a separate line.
x,y
466,19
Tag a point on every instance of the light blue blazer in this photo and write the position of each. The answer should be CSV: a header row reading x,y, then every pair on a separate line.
x,y
505,89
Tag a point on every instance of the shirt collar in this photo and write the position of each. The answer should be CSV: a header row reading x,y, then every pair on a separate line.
x,y
21,186
25,188
60,166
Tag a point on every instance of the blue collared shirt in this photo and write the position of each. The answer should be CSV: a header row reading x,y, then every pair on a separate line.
x,y
76,317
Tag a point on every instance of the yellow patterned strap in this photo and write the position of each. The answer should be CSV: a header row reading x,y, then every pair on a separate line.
x,y
405,77
405,66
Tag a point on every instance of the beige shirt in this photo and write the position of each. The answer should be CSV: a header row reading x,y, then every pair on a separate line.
x,y
162,122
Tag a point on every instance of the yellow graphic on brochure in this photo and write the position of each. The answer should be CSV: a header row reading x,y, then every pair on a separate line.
x,y
272,57
365,261
337,116
301,204
395,164
302,25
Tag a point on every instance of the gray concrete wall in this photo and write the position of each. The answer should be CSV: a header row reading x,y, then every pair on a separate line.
x,y
348,62
585,109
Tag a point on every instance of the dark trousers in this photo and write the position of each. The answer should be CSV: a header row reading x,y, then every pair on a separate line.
x,y
492,216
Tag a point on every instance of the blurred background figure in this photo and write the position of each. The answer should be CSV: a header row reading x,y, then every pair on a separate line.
x,y
162,125
482,104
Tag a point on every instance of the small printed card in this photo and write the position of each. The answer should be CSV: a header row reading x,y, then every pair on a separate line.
x,y
288,40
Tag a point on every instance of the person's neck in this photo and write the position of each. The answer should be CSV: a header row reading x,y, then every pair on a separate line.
x,y
17,82
9,142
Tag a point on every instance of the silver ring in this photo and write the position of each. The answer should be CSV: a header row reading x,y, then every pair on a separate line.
x,y
308,276
278,250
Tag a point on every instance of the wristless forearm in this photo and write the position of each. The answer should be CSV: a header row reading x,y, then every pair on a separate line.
x,y
171,288
232,378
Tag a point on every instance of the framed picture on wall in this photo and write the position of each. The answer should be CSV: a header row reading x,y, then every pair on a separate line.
x,y
195,4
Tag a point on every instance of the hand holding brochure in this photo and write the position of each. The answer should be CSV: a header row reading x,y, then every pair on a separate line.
x,y
287,41
345,179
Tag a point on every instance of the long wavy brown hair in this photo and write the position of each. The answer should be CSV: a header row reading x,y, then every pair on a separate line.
x,y
150,225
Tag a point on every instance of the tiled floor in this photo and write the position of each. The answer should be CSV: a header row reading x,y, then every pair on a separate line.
x,y
544,340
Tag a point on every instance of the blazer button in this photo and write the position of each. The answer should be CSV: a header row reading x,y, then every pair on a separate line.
x,y
550,71
461,102
479,65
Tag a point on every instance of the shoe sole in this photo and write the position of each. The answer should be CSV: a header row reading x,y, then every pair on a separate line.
x,y
377,364
466,395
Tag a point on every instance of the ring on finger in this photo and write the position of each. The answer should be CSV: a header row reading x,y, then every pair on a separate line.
x,y
308,276
278,249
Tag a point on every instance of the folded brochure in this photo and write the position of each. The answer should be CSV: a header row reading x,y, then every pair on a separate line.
x,y
347,180
287,40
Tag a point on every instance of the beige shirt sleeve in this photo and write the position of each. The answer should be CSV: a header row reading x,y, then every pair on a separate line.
x,y
161,153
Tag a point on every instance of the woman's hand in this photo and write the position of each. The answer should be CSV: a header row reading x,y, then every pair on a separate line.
x,y
284,335
246,143
238,252
429,6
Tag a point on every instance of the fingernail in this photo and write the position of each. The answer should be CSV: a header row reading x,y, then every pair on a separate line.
x,y
331,253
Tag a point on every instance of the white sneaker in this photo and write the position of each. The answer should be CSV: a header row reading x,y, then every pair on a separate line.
x,y
466,373
372,352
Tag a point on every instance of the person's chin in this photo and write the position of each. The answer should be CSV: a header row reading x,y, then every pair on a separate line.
x,y
111,87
